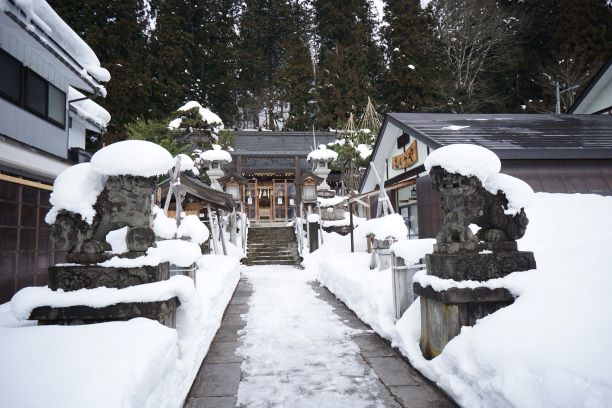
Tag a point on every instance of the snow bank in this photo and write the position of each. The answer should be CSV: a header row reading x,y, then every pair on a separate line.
x,y
555,337
115,364
134,157
76,189
27,299
465,159
413,250
138,363
194,229
88,109
322,154
216,154
389,226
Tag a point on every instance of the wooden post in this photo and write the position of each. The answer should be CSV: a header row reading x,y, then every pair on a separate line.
x,y
233,234
351,226
243,227
221,236
213,238
313,236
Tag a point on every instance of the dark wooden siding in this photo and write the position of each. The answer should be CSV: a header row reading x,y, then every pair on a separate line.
x,y
25,248
551,176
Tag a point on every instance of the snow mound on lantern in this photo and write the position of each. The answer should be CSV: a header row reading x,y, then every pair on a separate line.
x,y
518,193
216,154
192,227
413,250
186,162
389,226
322,154
163,226
132,157
465,159
76,189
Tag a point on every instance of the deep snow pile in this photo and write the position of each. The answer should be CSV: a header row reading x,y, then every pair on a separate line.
x,y
322,154
215,154
138,363
389,226
550,348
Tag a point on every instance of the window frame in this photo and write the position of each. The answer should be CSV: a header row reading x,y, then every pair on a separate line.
x,y
22,102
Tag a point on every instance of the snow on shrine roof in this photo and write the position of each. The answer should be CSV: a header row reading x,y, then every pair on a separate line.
x,y
88,109
514,136
43,23
249,143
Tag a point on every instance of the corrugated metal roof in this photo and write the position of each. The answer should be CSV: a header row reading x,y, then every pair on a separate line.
x,y
515,136
254,143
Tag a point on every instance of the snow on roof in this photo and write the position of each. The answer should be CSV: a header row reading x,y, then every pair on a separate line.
x,y
216,154
88,109
46,19
133,157
206,114
389,226
322,154
518,193
465,159
76,189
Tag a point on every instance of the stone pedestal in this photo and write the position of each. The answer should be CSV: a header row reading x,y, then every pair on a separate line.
x,y
75,277
443,313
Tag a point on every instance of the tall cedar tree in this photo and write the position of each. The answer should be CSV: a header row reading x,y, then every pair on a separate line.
x,y
349,58
116,31
410,62
172,56
214,57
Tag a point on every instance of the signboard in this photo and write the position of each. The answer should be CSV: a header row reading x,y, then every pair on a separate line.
x,y
407,158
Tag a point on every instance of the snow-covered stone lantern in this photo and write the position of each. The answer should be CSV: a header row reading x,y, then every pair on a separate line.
x,y
215,158
321,158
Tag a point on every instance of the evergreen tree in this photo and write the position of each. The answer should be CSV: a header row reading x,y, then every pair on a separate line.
x,y
410,63
116,31
349,59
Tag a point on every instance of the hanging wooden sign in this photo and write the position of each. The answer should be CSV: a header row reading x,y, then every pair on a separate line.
x,y
409,157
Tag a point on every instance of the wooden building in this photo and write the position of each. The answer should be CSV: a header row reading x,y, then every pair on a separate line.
x,y
552,153
270,163
42,132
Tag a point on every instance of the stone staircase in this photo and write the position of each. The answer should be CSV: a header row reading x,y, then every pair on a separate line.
x,y
272,245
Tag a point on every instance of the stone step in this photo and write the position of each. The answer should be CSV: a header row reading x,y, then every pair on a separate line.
x,y
272,263
272,258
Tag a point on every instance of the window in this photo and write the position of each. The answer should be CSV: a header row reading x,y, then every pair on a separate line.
x,y
57,105
31,91
10,77
36,93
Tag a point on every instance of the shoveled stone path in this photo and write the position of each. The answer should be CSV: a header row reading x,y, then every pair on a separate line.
x,y
218,380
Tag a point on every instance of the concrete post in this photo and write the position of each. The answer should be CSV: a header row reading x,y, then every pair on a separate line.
x,y
403,294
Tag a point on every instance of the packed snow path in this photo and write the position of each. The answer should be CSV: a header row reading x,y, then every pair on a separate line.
x,y
287,342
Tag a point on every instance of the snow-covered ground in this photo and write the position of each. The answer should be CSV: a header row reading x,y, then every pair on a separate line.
x,y
310,354
138,363
549,349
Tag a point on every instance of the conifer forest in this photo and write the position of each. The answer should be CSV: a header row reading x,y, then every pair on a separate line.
x,y
295,64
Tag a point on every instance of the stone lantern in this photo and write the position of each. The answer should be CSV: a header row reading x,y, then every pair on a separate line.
x,y
321,158
233,184
215,158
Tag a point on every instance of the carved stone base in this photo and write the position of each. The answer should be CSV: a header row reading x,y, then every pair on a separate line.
x,y
75,277
479,266
164,312
443,313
